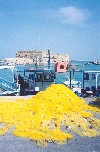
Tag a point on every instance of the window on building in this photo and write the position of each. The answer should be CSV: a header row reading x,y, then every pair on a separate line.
x,y
61,66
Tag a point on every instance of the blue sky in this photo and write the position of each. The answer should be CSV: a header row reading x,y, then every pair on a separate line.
x,y
63,26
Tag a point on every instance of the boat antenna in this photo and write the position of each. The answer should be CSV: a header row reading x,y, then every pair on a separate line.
x,y
48,58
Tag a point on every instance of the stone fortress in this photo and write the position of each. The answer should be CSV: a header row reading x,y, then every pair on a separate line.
x,y
29,57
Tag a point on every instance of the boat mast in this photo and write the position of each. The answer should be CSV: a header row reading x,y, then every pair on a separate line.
x,y
48,59
36,61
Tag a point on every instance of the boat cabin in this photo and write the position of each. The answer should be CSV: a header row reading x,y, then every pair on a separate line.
x,y
35,80
91,82
91,78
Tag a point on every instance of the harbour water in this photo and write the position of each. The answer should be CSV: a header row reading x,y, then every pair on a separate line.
x,y
8,74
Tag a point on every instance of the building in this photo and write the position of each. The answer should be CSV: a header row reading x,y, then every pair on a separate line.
x,y
29,57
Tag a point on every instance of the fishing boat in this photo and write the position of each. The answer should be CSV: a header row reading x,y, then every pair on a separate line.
x,y
28,81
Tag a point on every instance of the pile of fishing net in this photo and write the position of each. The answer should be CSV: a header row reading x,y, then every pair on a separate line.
x,y
50,116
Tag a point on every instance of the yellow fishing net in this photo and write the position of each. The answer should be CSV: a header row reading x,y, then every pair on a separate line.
x,y
50,116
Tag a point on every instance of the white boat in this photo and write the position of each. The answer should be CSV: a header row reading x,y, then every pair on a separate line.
x,y
7,67
72,83
3,65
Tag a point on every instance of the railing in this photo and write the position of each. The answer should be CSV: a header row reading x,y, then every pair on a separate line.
x,y
8,85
